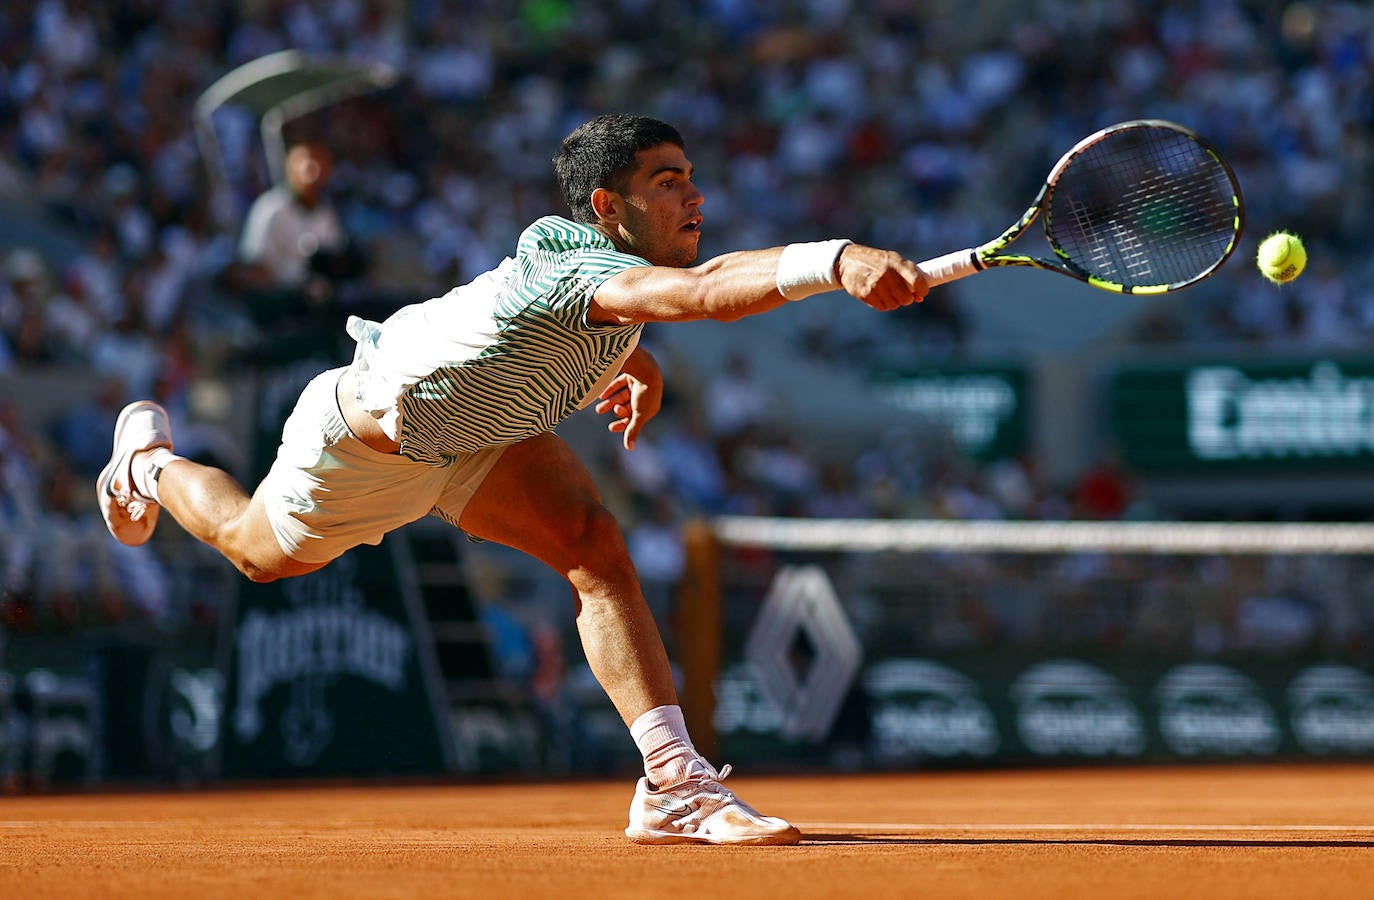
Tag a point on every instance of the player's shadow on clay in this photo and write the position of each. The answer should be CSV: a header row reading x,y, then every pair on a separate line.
x,y
819,838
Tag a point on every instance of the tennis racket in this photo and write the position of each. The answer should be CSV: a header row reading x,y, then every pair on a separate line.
x,y
1142,207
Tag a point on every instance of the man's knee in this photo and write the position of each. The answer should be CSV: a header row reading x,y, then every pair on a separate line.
x,y
264,571
259,575
597,527
596,542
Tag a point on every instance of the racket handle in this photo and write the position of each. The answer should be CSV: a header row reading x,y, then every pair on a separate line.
x,y
950,267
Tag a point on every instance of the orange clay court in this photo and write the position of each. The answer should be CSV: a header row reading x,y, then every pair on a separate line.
x,y
1205,832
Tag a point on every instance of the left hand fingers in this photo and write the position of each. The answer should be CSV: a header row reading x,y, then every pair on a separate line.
x,y
630,404
626,422
613,404
619,385
612,397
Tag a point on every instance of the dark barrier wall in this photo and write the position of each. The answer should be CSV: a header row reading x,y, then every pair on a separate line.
x,y
325,676
994,708
809,678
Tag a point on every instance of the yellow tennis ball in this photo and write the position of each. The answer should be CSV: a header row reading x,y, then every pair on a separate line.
x,y
1281,257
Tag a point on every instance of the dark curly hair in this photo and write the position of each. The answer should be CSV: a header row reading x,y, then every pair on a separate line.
x,y
601,154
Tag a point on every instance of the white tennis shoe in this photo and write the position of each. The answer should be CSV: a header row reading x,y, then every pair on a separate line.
x,y
701,810
129,515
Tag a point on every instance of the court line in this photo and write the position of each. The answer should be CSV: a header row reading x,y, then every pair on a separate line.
x,y
903,827
884,827
88,823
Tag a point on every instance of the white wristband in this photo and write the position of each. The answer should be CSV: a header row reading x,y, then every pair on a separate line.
x,y
806,269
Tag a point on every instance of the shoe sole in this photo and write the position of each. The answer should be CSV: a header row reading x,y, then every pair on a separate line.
x,y
102,484
781,839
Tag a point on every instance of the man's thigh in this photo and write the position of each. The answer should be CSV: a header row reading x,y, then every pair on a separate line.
x,y
535,496
327,491
346,500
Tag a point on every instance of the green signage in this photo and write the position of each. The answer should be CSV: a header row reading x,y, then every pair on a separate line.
x,y
985,409
1214,416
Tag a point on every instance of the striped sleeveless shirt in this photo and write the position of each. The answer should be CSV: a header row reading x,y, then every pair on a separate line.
x,y
500,359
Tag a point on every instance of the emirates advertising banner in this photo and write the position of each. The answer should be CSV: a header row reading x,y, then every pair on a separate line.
x,y
1219,416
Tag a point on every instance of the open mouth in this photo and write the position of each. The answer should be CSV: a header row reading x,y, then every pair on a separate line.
x,y
693,226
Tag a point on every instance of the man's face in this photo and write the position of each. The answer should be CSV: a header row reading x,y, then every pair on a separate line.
x,y
660,211
308,169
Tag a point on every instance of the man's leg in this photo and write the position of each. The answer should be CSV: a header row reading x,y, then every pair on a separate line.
x,y
539,498
144,475
214,508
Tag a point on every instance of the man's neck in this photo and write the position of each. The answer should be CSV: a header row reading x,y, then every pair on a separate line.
x,y
613,236
309,201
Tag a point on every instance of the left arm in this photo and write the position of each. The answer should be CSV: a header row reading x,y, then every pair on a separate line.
x,y
634,396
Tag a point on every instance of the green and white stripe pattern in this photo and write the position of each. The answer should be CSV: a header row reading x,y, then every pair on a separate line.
x,y
503,358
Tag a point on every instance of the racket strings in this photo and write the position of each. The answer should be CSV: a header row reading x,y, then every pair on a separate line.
x,y
1144,206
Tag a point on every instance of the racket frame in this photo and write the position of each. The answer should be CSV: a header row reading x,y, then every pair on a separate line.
x,y
962,263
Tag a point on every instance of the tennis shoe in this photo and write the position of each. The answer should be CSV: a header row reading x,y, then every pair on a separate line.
x,y
130,516
701,810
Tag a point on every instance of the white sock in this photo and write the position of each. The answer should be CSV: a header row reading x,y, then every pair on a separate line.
x,y
146,468
661,735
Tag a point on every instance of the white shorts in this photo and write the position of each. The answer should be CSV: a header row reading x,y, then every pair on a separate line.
x,y
327,491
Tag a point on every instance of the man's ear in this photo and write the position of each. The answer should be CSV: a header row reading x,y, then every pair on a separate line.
x,y
606,205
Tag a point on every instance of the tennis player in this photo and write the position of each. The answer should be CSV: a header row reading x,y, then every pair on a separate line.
x,y
449,406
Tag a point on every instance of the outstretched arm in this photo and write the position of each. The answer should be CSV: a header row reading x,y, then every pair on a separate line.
x,y
746,283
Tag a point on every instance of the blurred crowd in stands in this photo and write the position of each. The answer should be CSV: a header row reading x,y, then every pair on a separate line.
x,y
906,125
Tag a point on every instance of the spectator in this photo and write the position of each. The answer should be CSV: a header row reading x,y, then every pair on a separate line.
x,y
1103,491
71,324
128,350
97,276
81,429
290,223
74,561
23,308
735,403
777,462
836,496
660,556
21,508
697,477
294,249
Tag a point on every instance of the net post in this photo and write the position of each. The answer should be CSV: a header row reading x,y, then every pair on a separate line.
x,y
697,621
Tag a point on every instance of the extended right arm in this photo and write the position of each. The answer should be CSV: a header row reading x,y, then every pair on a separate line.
x,y
745,283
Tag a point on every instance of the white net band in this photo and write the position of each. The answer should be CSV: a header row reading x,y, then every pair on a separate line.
x,y
1190,538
